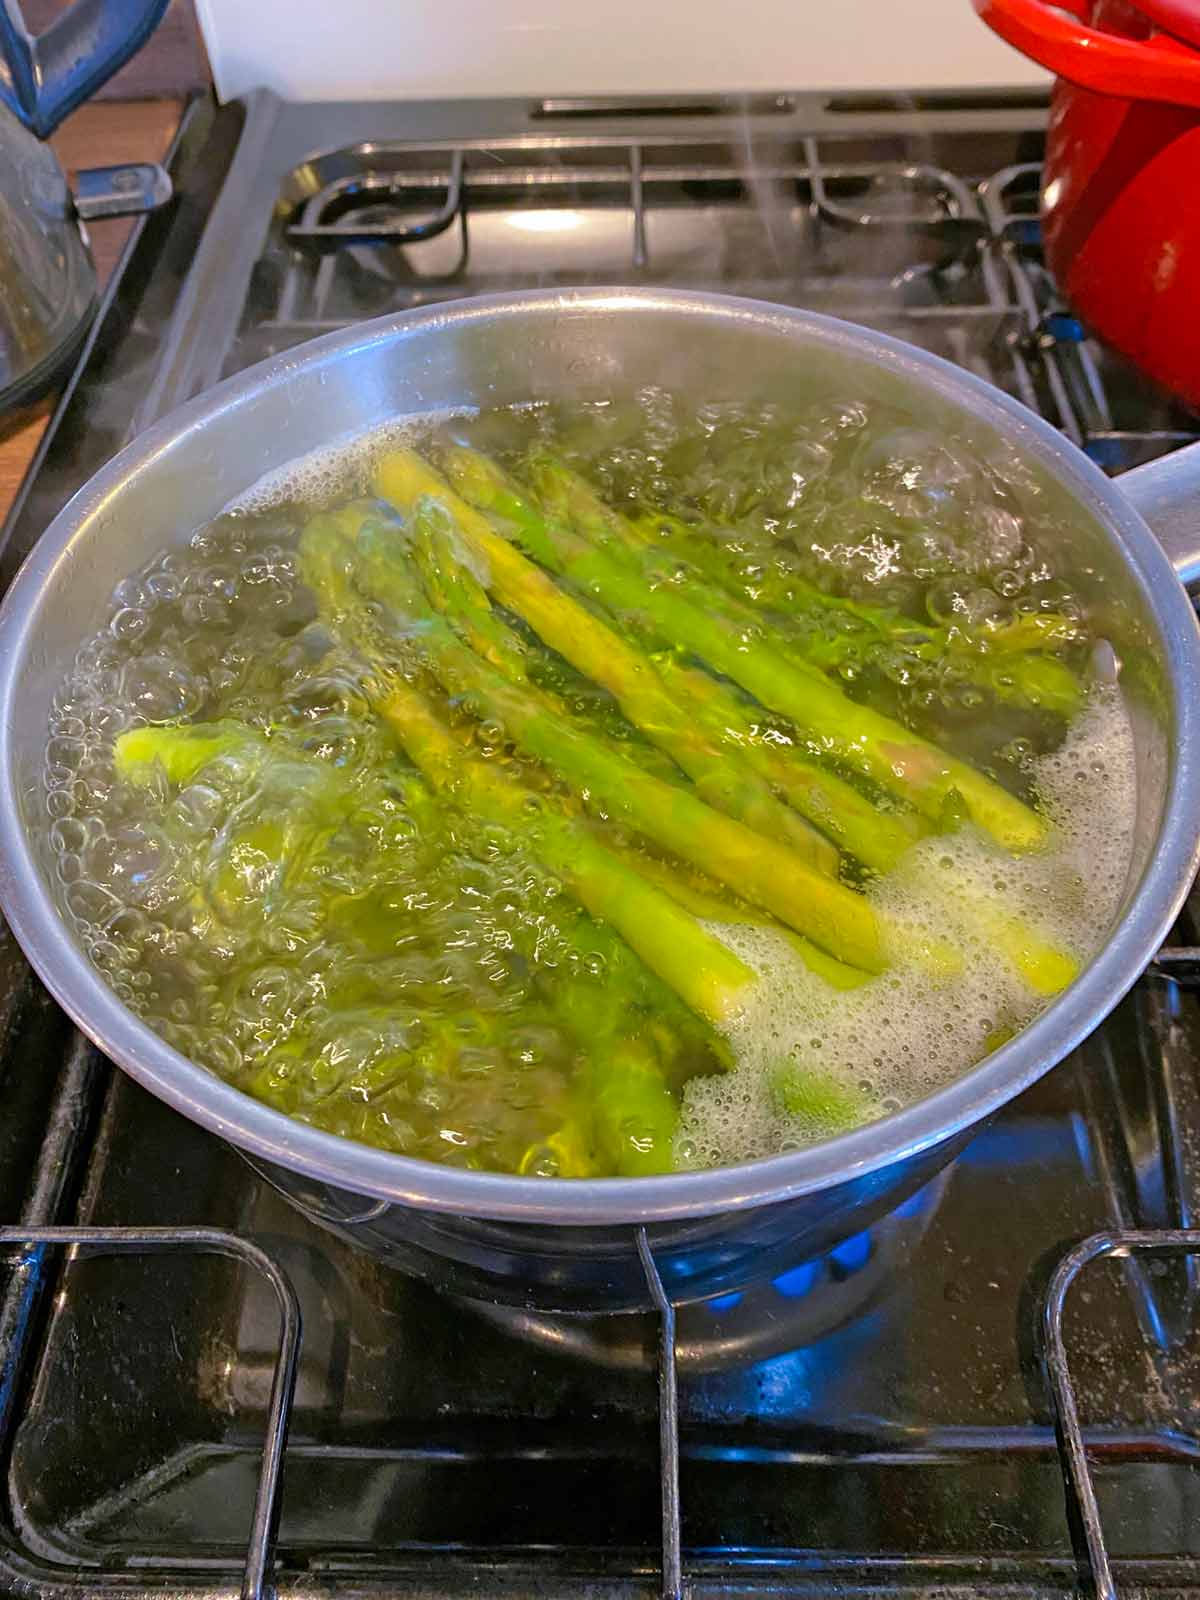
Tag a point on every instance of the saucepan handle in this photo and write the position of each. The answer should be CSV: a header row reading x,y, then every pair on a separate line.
x,y
1167,493
1158,68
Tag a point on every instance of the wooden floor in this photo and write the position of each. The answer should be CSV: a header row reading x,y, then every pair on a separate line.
x,y
99,135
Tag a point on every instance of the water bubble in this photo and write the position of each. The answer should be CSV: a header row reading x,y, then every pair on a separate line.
x,y
69,867
64,758
130,592
68,835
542,1162
160,689
998,541
220,582
205,542
220,1054
129,624
91,902
917,475
129,858
60,802
130,927
162,587
207,611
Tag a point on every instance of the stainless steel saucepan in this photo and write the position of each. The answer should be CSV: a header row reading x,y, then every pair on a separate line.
x,y
572,1244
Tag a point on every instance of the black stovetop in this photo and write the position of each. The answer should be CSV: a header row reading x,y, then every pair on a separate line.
x,y
882,1418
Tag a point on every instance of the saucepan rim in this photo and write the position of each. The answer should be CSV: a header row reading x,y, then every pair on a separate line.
x,y
363,1170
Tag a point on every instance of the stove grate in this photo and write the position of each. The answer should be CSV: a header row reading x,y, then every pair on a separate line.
x,y
1132,1246
210,1241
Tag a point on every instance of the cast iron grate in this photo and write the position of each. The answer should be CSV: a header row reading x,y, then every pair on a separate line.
x,y
34,1242
1133,1248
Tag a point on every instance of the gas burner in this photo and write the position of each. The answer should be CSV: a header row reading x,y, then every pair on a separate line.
x,y
808,1302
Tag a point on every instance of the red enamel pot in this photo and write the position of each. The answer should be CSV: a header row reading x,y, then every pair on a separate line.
x,y
1121,193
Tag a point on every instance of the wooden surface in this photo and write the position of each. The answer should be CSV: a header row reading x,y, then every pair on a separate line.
x,y
98,135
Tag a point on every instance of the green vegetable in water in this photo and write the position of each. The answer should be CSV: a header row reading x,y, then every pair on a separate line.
x,y
708,977
623,1118
721,775
818,1099
1009,661
475,820
877,838
729,639
756,866
297,806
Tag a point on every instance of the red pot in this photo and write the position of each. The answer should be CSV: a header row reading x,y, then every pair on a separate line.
x,y
1121,192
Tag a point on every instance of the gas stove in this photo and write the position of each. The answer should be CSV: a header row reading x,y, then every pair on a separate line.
x,y
994,1390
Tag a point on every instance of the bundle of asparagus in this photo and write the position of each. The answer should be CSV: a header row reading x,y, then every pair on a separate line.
x,y
719,774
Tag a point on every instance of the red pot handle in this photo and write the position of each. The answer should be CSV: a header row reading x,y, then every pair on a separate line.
x,y
1159,68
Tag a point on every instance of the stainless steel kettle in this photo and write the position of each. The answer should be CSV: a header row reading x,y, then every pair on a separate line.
x,y
47,279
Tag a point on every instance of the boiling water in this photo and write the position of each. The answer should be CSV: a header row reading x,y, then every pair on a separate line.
x,y
909,1031
418,980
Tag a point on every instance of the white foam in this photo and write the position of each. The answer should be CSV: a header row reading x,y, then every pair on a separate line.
x,y
913,1029
336,470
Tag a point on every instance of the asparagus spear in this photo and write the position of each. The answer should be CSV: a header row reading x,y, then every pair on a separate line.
x,y
786,589
760,869
1045,967
580,518
879,840
721,777
454,590
1039,680
704,899
181,750
296,804
707,976
876,745
635,1113
626,1112
820,1098
621,1119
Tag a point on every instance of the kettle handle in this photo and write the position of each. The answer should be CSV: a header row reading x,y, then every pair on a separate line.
x,y
44,77
1057,37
